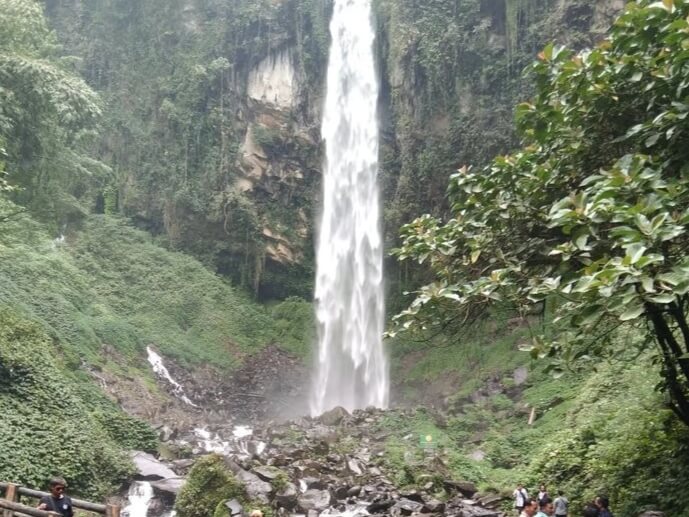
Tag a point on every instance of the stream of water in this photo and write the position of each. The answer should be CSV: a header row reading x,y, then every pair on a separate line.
x,y
352,369
138,499
161,370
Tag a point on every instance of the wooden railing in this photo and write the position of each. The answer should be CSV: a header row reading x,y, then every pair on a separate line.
x,y
10,505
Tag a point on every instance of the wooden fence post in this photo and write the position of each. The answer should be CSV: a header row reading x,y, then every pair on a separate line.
x,y
112,510
11,494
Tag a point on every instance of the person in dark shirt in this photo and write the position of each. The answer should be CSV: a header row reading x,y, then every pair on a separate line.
x,y
57,501
590,510
603,505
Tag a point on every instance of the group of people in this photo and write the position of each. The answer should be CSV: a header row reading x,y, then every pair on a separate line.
x,y
545,506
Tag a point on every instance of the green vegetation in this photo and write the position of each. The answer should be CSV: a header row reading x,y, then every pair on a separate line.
x,y
209,485
47,429
46,116
615,437
411,464
478,353
294,326
582,234
110,284
98,298
591,213
601,431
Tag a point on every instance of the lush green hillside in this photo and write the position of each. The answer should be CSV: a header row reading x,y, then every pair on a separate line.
x,y
108,284
560,234
65,301
53,421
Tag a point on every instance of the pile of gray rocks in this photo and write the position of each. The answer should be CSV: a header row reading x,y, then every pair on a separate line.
x,y
330,466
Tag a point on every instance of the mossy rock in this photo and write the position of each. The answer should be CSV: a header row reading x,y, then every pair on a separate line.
x,y
210,483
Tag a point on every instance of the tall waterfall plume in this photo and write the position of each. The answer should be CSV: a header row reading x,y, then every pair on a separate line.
x,y
352,369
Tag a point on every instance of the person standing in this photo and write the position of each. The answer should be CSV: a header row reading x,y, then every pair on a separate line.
x,y
57,501
520,497
542,493
530,508
560,504
603,505
590,510
545,507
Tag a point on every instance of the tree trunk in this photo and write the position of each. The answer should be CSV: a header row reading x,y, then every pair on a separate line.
x,y
676,367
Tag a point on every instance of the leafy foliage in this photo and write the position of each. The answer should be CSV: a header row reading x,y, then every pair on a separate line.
x,y
591,212
602,430
111,284
615,439
46,428
128,432
294,326
209,484
45,109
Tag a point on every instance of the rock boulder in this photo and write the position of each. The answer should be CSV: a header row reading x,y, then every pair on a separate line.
x,y
149,468
313,499
334,416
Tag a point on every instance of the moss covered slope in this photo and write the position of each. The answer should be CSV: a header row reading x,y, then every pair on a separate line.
x,y
93,301
110,284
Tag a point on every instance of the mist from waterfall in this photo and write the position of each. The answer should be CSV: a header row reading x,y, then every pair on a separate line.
x,y
352,369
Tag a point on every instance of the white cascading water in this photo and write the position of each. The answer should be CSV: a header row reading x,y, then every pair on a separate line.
x,y
161,370
352,369
138,499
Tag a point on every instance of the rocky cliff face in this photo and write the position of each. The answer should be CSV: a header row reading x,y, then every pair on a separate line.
x,y
213,112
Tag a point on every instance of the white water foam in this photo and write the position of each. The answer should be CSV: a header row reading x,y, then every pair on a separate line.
x,y
161,370
352,369
242,431
358,510
138,499
239,444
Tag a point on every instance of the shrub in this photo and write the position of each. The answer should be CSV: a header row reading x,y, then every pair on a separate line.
x,y
209,484
46,428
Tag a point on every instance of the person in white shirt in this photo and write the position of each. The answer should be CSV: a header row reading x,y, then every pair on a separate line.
x,y
520,497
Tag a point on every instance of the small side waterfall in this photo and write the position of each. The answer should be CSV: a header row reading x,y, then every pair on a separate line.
x,y
138,499
352,369
161,370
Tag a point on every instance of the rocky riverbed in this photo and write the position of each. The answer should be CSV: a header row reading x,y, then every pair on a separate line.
x,y
331,465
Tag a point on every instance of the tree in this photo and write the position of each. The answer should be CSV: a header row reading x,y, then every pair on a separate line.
x,y
592,211
45,110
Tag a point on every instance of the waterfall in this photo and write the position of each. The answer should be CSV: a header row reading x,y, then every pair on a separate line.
x,y
138,499
161,370
352,368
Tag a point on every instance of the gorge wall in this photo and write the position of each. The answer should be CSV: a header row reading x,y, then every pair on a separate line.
x,y
212,113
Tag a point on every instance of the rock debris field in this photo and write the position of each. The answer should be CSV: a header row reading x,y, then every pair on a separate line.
x,y
331,465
